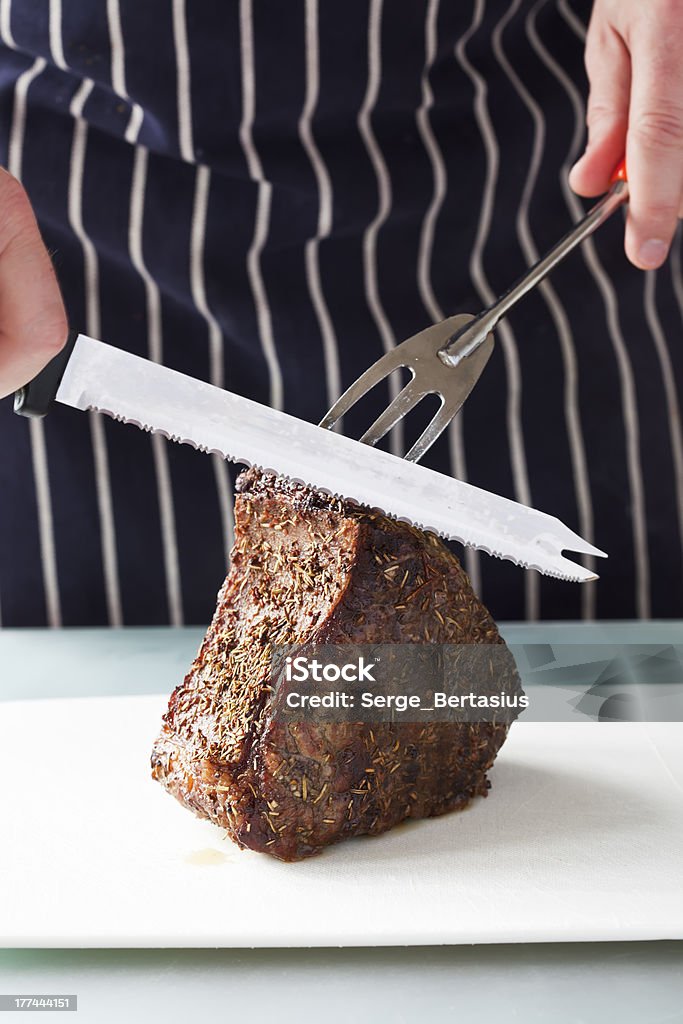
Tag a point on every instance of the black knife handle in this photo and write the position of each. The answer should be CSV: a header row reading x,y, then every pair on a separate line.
x,y
36,397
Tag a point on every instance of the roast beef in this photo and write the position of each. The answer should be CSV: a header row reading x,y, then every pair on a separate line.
x,y
308,568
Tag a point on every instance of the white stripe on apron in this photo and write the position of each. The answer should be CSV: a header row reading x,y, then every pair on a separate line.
x,y
383,207
92,327
153,310
424,259
264,194
36,426
624,368
312,249
481,283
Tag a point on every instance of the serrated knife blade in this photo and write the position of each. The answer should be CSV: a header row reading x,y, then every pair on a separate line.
x,y
157,398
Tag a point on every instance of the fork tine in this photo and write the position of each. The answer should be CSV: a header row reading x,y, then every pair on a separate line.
x,y
434,429
404,401
376,373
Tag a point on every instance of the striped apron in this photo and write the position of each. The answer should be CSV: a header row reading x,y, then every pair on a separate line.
x,y
268,196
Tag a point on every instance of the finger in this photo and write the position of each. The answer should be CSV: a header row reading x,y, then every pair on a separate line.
x,y
33,325
609,72
654,148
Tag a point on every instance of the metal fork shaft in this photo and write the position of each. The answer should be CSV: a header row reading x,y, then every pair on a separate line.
x,y
470,337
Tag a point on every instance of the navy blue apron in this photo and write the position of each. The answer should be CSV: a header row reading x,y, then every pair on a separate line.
x,y
267,195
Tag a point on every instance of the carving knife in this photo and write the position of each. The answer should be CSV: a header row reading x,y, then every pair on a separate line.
x,y
91,375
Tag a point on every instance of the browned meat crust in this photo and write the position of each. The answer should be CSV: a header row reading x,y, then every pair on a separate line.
x,y
307,568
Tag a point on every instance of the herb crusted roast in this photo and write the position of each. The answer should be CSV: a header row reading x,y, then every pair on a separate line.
x,y
307,568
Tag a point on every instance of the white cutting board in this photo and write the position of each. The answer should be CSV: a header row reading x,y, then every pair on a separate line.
x,y
581,838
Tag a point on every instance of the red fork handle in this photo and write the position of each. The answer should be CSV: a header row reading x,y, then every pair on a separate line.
x,y
619,173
